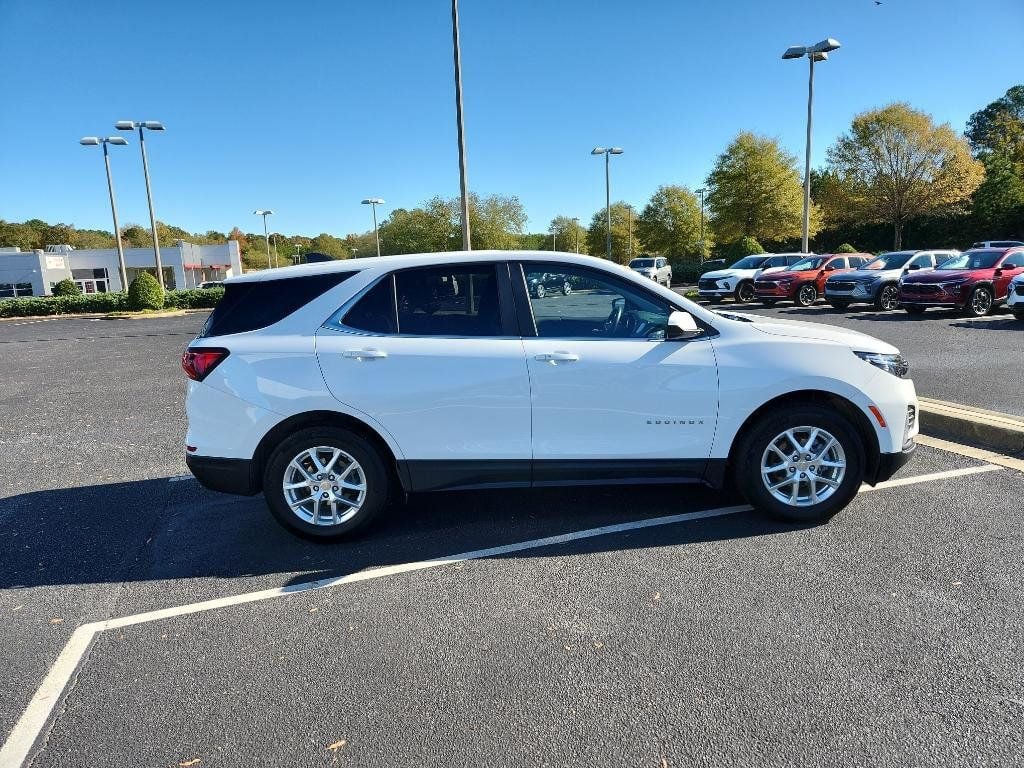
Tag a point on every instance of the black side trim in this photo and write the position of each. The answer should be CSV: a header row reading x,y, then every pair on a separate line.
x,y
446,475
224,475
889,463
438,475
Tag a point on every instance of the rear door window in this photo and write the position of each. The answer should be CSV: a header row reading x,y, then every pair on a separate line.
x,y
460,300
375,311
249,306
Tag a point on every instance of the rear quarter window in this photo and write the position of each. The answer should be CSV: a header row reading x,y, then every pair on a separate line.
x,y
253,305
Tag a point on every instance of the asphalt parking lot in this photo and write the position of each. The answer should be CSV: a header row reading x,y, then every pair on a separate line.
x,y
889,636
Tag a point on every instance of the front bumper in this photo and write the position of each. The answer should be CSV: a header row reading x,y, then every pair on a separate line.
x,y
776,292
1015,301
223,475
889,463
864,293
940,298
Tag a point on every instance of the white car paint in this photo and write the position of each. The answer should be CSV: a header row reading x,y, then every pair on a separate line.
x,y
1015,296
727,280
466,399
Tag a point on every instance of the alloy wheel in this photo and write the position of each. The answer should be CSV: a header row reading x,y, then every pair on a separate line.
x,y
803,466
745,293
324,486
807,295
888,299
540,292
566,288
981,302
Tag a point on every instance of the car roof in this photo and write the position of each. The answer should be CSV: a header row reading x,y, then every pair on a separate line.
x,y
387,263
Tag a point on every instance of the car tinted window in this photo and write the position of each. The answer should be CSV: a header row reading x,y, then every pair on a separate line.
x,y
598,306
972,260
249,306
749,262
838,263
460,300
928,260
1014,260
375,311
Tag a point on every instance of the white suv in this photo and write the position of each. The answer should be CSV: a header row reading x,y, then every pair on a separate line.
x,y
656,268
1015,297
331,387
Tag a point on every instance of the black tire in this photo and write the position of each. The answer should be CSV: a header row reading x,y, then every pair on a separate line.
x,y
914,309
806,295
754,443
744,293
839,303
375,477
539,292
979,303
668,281
888,298
566,288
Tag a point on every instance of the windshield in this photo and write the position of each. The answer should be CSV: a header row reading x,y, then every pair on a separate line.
x,y
973,260
641,263
889,261
806,264
750,262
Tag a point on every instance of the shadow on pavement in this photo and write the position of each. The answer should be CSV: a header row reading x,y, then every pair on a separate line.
x,y
163,530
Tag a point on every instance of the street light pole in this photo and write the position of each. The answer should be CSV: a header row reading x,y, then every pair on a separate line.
x,y
373,202
607,190
701,192
576,227
630,251
153,125
92,141
266,235
463,182
817,52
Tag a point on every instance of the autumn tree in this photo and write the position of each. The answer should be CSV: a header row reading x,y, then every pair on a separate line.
x,y
564,234
895,164
621,236
754,190
670,223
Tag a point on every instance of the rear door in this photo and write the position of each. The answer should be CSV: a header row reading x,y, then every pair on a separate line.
x,y
611,398
433,355
1012,266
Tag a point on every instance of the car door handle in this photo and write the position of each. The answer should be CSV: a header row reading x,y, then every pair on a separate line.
x,y
557,357
364,354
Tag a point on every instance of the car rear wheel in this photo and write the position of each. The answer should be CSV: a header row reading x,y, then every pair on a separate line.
x,y
802,464
539,292
566,288
806,295
913,309
888,298
980,302
325,483
745,292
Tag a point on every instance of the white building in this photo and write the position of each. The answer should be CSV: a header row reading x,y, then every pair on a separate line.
x,y
95,270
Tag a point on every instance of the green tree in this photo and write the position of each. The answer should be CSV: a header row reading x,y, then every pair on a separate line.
x,y
999,200
754,189
745,246
846,248
895,165
564,234
999,127
670,224
621,235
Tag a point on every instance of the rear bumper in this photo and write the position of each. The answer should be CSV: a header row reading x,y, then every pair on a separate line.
x,y
223,475
889,463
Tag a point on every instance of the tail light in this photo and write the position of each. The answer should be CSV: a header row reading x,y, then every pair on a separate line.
x,y
197,362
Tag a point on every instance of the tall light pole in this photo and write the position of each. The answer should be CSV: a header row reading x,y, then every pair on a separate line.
x,y
701,192
607,189
373,202
630,251
94,141
576,222
144,125
463,183
266,235
816,52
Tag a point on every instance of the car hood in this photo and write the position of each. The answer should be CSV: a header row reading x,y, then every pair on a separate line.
x,y
788,274
800,329
940,275
718,274
866,274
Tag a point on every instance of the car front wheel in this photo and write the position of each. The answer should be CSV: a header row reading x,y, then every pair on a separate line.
x,y
566,288
802,464
539,292
806,295
980,302
325,483
745,293
888,298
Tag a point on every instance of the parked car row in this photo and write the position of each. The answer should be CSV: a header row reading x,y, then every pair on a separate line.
x,y
974,281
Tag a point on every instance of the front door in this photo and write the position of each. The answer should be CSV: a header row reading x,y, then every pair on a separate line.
x,y
612,399
1012,266
433,356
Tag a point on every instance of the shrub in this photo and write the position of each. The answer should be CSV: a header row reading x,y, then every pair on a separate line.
x,y
67,287
745,246
193,298
37,306
846,248
145,292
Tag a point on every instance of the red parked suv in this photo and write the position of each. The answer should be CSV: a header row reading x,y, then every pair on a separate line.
x,y
804,282
973,282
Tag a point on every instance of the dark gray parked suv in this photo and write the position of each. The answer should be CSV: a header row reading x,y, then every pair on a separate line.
x,y
877,282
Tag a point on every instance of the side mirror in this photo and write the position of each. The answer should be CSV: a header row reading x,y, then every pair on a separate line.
x,y
913,267
682,326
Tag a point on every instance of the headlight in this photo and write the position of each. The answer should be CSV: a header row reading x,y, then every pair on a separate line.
x,y
894,364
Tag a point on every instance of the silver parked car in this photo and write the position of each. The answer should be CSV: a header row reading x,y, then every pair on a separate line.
x,y
655,267
877,282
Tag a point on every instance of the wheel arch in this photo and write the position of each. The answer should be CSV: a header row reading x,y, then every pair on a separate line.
x,y
857,418
292,424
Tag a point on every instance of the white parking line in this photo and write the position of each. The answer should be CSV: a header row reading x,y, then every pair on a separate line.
x,y
37,714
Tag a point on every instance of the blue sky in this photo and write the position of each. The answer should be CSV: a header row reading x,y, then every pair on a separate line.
x,y
306,107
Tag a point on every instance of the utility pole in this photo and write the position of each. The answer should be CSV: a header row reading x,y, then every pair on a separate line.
x,y
463,182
